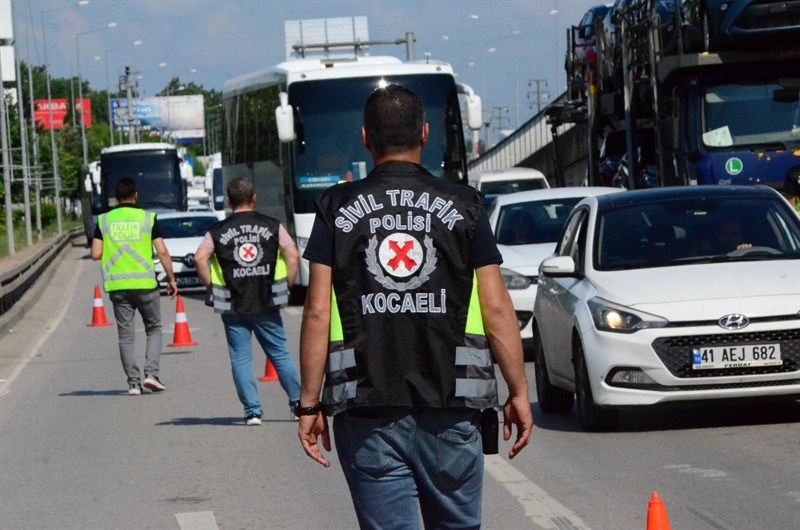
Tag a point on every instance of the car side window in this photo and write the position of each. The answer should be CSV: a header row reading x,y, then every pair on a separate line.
x,y
570,244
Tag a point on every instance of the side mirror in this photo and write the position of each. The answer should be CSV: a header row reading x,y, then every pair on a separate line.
x,y
284,118
557,266
474,107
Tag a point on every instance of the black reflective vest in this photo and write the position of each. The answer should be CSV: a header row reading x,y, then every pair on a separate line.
x,y
406,328
248,274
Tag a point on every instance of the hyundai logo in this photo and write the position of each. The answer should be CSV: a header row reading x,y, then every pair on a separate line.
x,y
733,321
188,260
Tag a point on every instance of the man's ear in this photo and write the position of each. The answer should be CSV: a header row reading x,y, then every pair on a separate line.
x,y
425,132
365,139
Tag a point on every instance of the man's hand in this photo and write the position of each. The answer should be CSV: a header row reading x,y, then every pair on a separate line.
x,y
172,288
517,411
310,428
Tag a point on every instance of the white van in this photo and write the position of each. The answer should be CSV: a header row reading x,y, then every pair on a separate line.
x,y
501,181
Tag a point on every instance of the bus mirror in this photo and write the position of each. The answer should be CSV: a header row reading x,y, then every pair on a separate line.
x,y
284,118
474,110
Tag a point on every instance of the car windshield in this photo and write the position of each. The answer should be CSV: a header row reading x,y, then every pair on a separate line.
x,y
708,229
533,222
178,227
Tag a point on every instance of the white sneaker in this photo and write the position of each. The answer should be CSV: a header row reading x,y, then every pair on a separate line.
x,y
253,419
134,389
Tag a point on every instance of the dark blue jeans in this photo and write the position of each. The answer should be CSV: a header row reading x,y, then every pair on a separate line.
x,y
400,462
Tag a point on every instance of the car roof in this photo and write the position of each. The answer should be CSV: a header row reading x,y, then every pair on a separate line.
x,y
553,193
684,192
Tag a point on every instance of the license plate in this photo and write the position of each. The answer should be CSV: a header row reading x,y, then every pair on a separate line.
x,y
187,282
741,356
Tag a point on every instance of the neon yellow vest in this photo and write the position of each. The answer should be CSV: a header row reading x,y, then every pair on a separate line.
x,y
127,260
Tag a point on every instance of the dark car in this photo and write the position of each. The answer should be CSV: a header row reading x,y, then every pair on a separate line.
x,y
725,24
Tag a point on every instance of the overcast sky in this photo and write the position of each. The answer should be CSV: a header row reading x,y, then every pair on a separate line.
x,y
209,41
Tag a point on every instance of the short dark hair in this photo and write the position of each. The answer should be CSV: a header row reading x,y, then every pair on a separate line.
x,y
125,189
393,119
240,191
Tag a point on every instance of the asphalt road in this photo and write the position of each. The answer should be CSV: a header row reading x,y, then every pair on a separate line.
x,y
77,452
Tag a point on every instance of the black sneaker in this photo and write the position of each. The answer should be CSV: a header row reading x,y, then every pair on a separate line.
x,y
292,415
134,389
152,383
252,419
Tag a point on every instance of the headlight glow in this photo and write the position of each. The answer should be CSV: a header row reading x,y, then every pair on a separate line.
x,y
611,317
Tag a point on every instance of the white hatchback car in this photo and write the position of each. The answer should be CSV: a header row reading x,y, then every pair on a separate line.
x,y
669,295
526,226
182,233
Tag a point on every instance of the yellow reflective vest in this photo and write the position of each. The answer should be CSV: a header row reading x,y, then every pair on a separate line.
x,y
127,260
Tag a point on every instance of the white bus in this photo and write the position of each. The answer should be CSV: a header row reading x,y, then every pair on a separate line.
x,y
295,129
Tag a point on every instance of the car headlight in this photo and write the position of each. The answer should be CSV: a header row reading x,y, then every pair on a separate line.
x,y
618,319
514,280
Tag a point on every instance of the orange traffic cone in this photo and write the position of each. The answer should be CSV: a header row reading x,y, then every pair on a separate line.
x,y
98,313
182,336
269,373
657,514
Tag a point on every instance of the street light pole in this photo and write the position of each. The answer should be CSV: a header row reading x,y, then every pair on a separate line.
x,y
108,93
80,87
53,147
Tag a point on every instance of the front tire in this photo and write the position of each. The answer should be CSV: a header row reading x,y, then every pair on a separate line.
x,y
591,417
552,400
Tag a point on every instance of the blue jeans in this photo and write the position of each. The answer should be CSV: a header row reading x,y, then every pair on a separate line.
x,y
268,328
400,462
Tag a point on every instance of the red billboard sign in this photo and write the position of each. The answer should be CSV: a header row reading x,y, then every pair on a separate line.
x,y
60,107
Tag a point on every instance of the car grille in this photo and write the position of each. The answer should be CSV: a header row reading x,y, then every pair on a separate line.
x,y
676,352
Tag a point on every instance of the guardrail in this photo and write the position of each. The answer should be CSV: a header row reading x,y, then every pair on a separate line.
x,y
16,282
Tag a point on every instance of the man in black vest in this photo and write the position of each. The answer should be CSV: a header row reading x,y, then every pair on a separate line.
x,y
405,300
249,261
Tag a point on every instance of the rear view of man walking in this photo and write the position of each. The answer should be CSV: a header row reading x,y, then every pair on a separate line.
x,y
123,242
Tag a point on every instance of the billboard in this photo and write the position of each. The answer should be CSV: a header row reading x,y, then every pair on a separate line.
x,y
181,118
60,107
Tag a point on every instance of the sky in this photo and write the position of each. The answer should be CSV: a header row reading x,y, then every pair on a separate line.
x,y
503,49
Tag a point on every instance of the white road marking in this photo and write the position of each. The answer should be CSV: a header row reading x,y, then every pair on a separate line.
x,y
706,473
543,510
67,295
197,521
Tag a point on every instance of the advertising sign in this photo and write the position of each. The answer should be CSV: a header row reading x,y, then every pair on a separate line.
x,y
60,109
181,118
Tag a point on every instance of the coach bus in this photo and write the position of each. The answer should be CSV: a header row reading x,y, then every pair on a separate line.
x,y
294,129
161,176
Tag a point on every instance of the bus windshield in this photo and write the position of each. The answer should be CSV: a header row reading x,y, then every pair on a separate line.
x,y
158,181
329,116
751,115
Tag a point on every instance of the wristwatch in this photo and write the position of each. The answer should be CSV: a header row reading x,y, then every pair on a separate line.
x,y
299,410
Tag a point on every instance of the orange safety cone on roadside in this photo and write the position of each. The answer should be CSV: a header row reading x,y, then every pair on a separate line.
x,y
182,336
657,514
269,373
98,313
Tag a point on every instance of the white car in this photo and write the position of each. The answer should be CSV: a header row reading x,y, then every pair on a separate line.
x,y
182,233
526,226
495,182
669,295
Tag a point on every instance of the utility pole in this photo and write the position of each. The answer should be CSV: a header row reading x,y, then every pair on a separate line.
x,y
131,134
501,115
541,95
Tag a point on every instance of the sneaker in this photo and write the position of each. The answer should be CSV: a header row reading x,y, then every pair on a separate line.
x,y
152,383
134,389
292,415
252,419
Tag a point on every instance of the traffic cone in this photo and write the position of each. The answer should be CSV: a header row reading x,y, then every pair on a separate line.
x,y
98,313
657,514
182,336
269,373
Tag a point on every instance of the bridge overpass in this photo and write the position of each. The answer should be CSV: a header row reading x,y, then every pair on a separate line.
x,y
532,146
